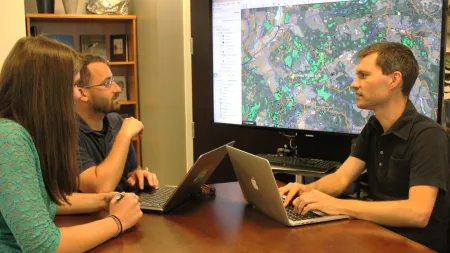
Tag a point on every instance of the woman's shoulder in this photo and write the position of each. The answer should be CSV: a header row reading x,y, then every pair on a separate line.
x,y
10,124
10,129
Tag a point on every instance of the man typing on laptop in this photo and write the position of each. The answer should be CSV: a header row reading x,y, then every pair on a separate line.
x,y
406,156
106,155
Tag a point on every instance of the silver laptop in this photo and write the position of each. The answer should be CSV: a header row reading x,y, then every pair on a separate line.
x,y
167,197
260,190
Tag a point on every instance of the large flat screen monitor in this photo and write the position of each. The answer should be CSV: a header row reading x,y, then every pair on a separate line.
x,y
289,64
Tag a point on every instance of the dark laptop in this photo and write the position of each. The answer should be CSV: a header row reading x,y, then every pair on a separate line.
x,y
168,197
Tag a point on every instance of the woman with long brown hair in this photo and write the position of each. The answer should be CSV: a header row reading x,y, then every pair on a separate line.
x,y
38,166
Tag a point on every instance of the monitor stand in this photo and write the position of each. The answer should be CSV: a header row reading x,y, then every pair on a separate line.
x,y
321,146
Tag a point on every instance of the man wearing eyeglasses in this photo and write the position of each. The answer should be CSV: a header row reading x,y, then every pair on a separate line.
x,y
107,159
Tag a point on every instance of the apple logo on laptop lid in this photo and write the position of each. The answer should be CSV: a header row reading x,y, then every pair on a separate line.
x,y
254,183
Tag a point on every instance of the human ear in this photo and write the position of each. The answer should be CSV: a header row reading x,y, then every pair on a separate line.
x,y
83,97
396,79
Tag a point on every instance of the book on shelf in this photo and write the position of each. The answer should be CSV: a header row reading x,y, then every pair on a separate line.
x,y
63,38
122,82
93,44
33,30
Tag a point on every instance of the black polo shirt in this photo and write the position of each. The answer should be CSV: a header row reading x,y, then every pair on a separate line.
x,y
414,151
94,146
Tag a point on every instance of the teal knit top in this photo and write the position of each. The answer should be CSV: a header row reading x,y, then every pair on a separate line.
x,y
27,212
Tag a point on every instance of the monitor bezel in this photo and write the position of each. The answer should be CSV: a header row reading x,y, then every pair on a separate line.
x,y
313,133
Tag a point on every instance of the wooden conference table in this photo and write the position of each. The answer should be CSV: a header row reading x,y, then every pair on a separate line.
x,y
225,223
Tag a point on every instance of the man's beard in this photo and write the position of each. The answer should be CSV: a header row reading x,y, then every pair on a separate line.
x,y
104,105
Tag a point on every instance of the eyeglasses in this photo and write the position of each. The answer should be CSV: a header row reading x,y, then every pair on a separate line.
x,y
107,83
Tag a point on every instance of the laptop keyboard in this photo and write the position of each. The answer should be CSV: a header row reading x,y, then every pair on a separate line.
x,y
156,198
292,215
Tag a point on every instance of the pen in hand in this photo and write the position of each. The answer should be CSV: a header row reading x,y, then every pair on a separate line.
x,y
118,196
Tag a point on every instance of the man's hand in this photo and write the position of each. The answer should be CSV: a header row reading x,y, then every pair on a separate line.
x,y
292,190
316,200
132,127
139,175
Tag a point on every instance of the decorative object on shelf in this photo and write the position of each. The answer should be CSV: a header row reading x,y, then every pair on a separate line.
x,y
108,6
70,6
119,47
64,38
122,82
33,30
93,44
46,6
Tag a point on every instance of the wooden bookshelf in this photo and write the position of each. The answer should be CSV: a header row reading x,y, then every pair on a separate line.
x,y
128,102
84,17
118,63
91,24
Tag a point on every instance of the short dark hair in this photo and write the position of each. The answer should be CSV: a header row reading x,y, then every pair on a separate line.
x,y
36,91
394,56
85,74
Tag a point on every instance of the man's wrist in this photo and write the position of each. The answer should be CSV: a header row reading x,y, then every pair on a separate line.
x,y
310,187
343,206
123,135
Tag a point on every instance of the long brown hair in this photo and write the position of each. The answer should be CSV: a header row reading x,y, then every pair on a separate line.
x,y
36,91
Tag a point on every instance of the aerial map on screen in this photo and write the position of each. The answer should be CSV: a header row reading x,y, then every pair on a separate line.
x,y
298,61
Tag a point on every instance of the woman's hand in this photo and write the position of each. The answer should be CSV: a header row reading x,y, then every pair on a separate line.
x,y
127,209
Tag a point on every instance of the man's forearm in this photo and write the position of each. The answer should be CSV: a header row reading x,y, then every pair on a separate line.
x,y
111,169
330,184
107,174
400,213
83,203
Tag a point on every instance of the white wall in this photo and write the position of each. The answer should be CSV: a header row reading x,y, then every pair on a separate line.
x,y
31,7
165,86
12,25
